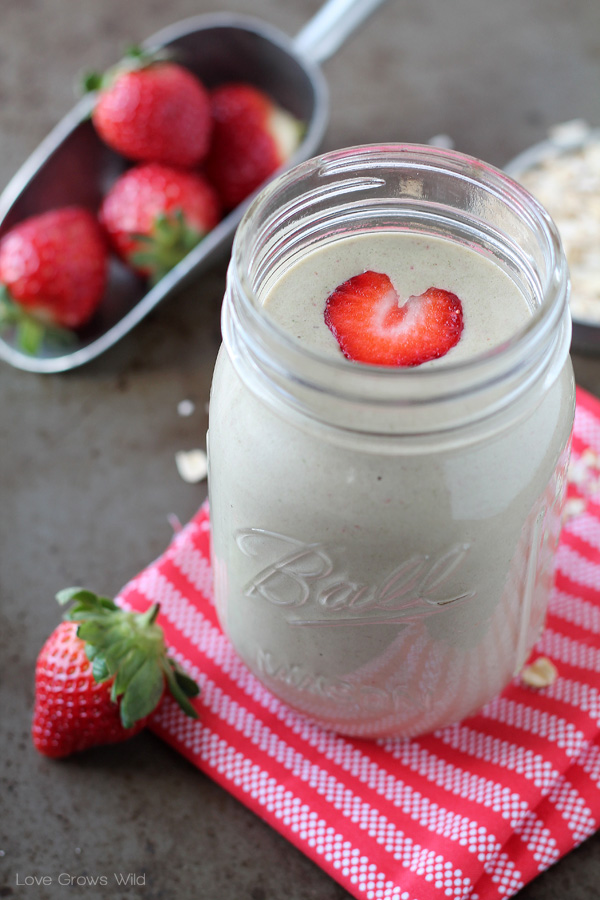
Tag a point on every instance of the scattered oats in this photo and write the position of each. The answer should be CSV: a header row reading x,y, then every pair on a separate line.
x,y
77,849
174,522
574,507
185,408
192,465
2,853
541,673
444,141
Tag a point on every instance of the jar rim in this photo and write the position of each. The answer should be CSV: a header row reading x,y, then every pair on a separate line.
x,y
411,155
301,376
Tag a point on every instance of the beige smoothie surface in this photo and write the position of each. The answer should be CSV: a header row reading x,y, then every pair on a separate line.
x,y
494,308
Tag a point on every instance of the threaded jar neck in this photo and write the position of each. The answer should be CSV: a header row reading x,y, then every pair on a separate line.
x,y
404,188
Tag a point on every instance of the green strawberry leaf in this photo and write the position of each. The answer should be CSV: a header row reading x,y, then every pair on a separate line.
x,y
177,692
91,81
135,58
143,259
100,669
170,240
28,332
118,648
130,663
75,593
30,335
140,238
166,229
107,603
143,693
9,311
134,51
187,684
101,633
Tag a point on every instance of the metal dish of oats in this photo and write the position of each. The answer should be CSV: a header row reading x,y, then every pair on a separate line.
x,y
563,173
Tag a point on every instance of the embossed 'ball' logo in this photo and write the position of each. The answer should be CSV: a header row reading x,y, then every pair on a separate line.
x,y
304,579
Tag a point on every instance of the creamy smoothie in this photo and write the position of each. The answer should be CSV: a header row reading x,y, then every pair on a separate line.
x,y
389,579
494,308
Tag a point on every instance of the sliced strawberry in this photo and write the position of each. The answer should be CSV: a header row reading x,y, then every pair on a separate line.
x,y
364,315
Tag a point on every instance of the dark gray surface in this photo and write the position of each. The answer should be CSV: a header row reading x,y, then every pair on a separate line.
x,y
87,463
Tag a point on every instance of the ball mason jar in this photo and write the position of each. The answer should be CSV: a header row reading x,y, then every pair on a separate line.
x,y
383,539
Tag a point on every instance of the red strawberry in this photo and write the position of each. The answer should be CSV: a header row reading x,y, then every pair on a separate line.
x,y
97,682
370,327
252,137
52,273
154,215
152,111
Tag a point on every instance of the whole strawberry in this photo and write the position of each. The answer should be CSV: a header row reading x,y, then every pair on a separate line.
x,y
100,675
155,214
52,274
152,110
252,137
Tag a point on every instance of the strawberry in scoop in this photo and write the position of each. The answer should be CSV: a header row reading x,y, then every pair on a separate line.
x,y
152,110
52,275
100,675
364,316
252,137
155,214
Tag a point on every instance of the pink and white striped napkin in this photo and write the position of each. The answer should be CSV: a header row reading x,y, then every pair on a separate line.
x,y
475,810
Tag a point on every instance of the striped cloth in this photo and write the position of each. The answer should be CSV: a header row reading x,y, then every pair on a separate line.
x,y
475,810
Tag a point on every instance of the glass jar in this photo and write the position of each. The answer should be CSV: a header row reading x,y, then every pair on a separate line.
x,y
383,539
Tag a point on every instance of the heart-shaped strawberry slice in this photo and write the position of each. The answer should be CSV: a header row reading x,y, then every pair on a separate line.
x,y
370,327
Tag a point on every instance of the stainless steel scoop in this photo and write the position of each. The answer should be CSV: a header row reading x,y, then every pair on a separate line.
x,y
72,165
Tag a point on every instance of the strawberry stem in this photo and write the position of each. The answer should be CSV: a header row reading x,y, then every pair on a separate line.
x,y
91,81
30,335
171,238
149,617
29,332
135,58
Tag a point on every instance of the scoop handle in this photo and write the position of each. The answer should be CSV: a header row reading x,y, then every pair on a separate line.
x,y
331,26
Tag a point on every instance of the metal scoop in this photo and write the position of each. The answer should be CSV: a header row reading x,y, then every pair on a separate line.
x,y
73,167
